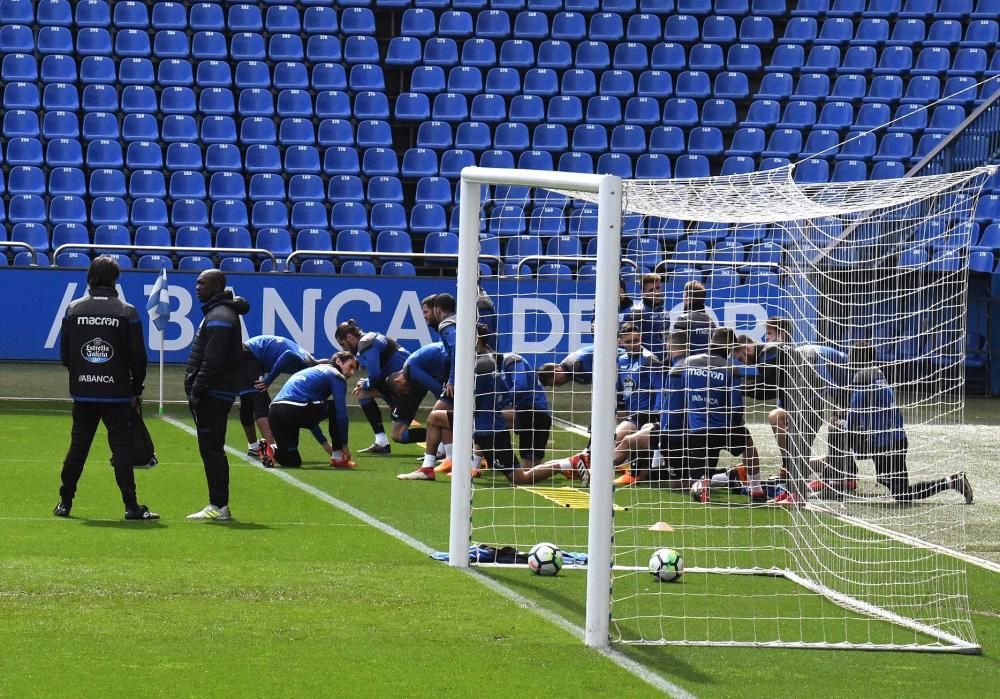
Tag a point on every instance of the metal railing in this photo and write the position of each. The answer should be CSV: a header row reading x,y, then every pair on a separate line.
x,y
974,142
307,254
19,244
154,249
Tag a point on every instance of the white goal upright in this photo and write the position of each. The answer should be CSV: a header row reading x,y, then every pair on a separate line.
x,y
866,281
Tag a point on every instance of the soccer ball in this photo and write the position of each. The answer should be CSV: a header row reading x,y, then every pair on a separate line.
x,y
545,559
666,565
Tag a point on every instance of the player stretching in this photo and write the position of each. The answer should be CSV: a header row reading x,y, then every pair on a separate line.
x,y
651,316
302,403
265,358
695,322
875,431
423,371
640,380
379,356
490,431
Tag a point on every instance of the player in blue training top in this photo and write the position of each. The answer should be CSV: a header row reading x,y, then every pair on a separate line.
x,y
265,357
525,405
875,430
444,315
379,356
640,380
306,399
651,316
695,322
423,371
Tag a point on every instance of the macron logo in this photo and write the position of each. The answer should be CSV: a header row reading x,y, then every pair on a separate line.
x,y
93,320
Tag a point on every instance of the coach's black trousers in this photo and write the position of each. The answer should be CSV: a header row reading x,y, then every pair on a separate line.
x,y
117,418
210,416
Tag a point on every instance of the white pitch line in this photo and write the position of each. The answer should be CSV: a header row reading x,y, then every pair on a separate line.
x,y
621,660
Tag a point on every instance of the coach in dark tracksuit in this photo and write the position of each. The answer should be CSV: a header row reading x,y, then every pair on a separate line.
x,y
213,379
103,348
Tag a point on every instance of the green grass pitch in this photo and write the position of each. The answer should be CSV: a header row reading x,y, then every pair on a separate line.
x,y
297,598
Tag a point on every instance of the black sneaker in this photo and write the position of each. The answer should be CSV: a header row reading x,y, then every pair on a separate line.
x,y
376,449
63,508
142,513
959,483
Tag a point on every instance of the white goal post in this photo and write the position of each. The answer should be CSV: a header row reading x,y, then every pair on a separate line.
x,y
607,191
875,266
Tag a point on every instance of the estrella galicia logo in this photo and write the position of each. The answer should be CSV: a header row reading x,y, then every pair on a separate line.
x,y
97,351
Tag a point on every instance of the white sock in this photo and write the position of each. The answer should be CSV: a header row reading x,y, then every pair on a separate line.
x,y
338,454
381,440
720,480
657,459
475,461
253,446
447,450
429,460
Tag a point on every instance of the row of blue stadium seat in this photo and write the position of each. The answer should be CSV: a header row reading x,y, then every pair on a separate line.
x,y
103,70
644,109
281,16
172,43
202,16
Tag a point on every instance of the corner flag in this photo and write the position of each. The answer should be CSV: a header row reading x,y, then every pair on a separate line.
x,y
158,305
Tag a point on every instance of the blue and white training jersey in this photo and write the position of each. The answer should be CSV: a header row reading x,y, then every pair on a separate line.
x,y
379,356
526,393
278,355
491,391
449,337
640,381
873,416
428,367
580,363
704,394
317,384
653,323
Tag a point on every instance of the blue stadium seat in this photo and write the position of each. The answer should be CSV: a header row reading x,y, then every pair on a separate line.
x,y
296,132
677,111
774,86
189,212
705,141
849,171
922,89
691,166
944,32
65,180
271,214
783,143
731,85
860,146
885,88
747,142
982,33
693,84
836,116
111,234
872,31
380,161
738,165
756,30
961,90
909,118
589,138
592,55
441,243
798,115
946,118
887,170
681,29
59,69
666,140
107,183
821,143
187,184
718,30
812,87
565,110
550,137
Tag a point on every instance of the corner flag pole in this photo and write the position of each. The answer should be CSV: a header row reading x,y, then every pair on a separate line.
x,y
158,307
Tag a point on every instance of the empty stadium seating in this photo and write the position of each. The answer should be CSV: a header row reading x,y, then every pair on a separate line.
x,y
275,119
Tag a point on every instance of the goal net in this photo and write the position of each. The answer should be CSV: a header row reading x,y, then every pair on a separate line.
x,y
767,371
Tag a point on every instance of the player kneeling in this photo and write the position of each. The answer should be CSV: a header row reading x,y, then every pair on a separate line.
x,y
875,430
303,403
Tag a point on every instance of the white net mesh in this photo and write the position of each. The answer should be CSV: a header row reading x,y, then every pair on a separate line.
x,y
864,284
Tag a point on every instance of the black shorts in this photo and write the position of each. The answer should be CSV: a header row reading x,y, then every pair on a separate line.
x,y
254,404
640,419
404,408
533,428
497,450
694,454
